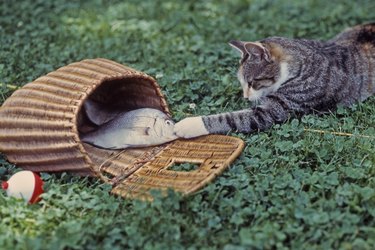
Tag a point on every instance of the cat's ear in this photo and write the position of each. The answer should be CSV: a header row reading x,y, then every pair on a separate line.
x,y
257,51
238,45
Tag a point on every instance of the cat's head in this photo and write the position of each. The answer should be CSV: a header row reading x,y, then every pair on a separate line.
x,y
262,69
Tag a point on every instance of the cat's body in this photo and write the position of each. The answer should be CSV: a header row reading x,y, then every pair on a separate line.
x,y
295,76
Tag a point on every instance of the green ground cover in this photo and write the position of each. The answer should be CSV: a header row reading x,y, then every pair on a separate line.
x,y
290,188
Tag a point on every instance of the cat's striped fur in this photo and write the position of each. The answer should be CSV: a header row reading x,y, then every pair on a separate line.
x,y
299,77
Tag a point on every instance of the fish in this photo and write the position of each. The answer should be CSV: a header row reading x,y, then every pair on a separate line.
x,y
137,128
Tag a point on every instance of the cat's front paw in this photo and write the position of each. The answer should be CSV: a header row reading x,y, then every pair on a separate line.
x,y
190,127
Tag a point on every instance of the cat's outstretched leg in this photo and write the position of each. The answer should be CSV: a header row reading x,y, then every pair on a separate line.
x,y
190,127
274,109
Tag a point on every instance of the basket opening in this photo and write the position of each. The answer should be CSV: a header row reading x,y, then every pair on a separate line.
x,y
119,95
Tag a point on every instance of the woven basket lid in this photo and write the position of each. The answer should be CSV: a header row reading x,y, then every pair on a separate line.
x,y
211,155
40,124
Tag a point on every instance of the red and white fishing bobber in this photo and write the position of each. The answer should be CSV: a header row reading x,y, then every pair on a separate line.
x,y
25,185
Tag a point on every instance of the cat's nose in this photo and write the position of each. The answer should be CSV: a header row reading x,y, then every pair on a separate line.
x,y
246,92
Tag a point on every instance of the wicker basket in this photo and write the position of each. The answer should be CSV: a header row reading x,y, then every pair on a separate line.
x,y
40,124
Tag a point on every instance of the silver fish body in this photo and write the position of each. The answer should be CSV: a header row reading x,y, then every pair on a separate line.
x,y
136,128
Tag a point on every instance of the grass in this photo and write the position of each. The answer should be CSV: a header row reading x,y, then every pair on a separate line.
x,y
291,188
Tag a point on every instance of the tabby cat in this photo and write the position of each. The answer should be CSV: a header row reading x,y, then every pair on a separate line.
x,y
295,77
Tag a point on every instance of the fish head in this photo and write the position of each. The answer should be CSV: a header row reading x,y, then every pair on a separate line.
x,y
164,127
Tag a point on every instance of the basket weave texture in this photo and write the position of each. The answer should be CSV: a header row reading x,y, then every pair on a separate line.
x,y
212,154
40,124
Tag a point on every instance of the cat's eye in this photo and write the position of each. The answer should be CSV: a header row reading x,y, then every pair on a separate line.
x,y
260,83
168,122
264,79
